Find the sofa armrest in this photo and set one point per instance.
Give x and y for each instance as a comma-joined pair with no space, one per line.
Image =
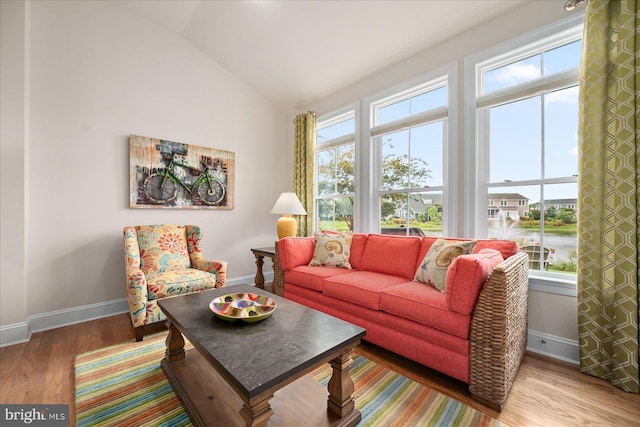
194,246
466,277
498,336
295,251
137,296
136,280
217,267
278,274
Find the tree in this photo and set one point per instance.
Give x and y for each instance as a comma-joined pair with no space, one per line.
387,209
336,175
435,213
567,216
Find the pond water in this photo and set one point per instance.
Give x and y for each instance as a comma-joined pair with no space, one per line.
561,243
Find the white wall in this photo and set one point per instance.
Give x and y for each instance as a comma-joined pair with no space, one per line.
13,178
552,318
97,75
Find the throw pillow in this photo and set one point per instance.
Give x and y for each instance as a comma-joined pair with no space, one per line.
433,270
332,250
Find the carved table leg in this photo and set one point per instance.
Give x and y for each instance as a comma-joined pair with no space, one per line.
341,389
175,345
259,276
257,413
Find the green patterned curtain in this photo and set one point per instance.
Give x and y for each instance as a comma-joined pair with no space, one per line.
609,192
303,170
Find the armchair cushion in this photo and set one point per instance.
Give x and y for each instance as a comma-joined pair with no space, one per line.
179,282
163,248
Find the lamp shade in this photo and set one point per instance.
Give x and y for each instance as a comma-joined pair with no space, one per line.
288,203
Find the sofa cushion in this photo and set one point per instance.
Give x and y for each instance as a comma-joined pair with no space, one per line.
360,287
393,255
372,320
312,277
434,267
295,251
425,305
506,247
466,277
332,249
357,249
162,248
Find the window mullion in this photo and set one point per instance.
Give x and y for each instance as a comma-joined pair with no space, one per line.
530,89
427,117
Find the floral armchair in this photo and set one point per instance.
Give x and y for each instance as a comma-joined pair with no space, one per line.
164,261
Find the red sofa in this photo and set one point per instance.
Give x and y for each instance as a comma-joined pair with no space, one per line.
474,332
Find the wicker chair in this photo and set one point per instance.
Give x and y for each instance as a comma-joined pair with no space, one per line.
164,261
534,251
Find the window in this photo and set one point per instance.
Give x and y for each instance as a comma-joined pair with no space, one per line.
409,136
526,116
335,172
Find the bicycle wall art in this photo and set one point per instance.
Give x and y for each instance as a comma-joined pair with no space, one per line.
167,174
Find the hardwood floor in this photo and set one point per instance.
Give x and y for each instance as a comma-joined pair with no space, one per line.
546,392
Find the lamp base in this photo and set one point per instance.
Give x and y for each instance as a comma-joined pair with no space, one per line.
287,226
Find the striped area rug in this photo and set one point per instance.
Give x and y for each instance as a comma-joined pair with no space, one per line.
386,398
123,385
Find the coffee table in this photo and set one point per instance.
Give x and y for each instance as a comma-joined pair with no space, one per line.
252,374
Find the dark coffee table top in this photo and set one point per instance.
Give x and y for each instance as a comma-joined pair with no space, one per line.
255,357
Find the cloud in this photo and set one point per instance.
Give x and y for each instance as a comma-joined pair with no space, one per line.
565,96
517,73
574,151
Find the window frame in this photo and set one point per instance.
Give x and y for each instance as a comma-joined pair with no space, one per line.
443,76
477,105
350,111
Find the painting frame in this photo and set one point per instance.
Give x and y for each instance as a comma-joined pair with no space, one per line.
165,174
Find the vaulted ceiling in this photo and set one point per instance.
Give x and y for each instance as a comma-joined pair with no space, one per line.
296,52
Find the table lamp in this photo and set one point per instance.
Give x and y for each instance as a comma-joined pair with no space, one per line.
288,204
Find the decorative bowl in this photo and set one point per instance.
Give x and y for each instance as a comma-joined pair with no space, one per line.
247,307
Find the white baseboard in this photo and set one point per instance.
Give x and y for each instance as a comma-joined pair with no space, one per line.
553,346
17,333
21,332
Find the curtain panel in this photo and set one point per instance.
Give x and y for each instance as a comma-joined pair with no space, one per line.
303,168
609,192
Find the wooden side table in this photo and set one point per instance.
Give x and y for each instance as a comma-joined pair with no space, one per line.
277,286
260,253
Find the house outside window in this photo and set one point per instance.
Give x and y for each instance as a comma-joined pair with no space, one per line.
335,172
511,206
525,108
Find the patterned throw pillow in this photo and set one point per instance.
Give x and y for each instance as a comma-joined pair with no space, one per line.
433,270
332,249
